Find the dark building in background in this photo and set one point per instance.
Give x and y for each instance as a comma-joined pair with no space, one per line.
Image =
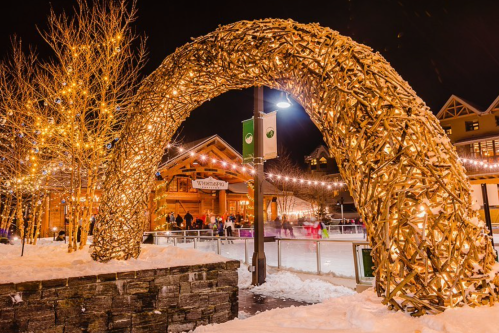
321,164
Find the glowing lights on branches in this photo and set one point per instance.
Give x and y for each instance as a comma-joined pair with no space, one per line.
382,135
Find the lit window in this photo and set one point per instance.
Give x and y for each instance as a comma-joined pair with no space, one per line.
472,125
448,130
487,148
323,163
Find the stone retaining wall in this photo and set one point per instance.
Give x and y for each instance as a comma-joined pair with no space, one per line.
171,299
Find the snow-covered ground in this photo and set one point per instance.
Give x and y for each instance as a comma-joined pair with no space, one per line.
50,260
360,313
342,312
284,284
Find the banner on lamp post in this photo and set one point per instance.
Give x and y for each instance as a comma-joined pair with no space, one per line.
270,135
248,141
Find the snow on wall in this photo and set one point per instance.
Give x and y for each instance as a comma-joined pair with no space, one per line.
50,260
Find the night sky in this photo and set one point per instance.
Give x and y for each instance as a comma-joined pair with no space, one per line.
440,47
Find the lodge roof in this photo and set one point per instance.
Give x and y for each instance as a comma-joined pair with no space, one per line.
457,106
173,154
321,150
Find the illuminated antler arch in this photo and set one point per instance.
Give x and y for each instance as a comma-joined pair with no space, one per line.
429,248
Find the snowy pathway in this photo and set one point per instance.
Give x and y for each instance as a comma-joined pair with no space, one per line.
360,313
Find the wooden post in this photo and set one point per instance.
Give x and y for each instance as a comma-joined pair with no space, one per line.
222,202
45,230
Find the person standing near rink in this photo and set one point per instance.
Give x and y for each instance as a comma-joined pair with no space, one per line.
278,226
229,225
287,226
188,221
324,232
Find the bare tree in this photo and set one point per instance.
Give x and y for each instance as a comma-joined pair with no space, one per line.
87,91
285,174
23,160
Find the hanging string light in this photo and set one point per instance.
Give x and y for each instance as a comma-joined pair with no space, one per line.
330,185
479,163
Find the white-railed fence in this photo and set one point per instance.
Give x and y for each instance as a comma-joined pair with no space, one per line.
310,255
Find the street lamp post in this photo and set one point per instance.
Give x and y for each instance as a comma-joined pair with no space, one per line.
486,211
259,260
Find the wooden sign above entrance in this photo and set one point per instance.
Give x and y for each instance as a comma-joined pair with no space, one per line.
210,183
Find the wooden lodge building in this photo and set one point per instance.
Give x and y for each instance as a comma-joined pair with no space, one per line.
174,192
202,159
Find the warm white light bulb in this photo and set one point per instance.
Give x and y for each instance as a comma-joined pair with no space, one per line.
283,105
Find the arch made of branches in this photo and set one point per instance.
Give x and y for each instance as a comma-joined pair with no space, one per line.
430,249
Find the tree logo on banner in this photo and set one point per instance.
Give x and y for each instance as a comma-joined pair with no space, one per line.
248,138
270,132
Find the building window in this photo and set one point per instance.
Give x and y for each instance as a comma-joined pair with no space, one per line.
487,150
313,164
232,207
183,185
472,126
497,121
475,149
323,163
496,146
447,130
173,186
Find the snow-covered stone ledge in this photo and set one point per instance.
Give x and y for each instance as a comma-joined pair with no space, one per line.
171,298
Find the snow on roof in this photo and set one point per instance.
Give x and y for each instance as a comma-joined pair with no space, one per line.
321,150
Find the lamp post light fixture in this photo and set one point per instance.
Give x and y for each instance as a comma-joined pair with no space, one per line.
54,229
259,261
284,102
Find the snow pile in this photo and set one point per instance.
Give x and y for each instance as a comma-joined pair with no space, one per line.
289,286
360,313
244,281
50,260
